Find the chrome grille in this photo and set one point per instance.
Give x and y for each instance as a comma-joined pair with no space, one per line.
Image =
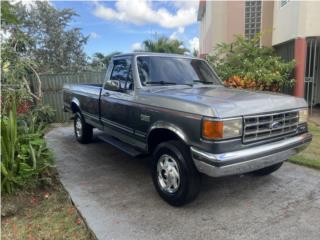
266,126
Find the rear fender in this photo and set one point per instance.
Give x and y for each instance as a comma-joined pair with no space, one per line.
75,105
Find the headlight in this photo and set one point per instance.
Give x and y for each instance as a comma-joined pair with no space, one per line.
221,129
303,115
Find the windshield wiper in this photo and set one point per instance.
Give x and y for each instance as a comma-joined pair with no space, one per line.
201,81
161,82
169,83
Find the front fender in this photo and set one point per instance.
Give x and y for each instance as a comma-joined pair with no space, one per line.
169,126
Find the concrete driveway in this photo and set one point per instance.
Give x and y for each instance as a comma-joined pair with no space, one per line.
115,195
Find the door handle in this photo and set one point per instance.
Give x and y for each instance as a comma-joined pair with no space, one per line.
106,94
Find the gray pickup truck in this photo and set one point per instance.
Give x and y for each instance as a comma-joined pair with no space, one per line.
176,108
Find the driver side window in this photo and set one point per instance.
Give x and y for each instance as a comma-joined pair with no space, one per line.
121,76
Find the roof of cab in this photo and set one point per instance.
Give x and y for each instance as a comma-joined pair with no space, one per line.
153,54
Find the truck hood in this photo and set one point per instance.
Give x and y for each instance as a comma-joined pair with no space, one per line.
219,101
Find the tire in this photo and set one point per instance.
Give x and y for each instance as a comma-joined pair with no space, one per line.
169,159
267,170
82,130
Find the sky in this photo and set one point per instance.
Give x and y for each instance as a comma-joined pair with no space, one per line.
122,25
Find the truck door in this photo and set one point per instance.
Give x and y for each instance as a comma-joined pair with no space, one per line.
116,96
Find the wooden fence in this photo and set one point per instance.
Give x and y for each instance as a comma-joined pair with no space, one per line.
52,85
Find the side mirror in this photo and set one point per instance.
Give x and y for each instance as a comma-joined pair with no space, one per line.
113,85
118,85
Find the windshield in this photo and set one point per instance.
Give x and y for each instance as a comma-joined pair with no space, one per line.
175,70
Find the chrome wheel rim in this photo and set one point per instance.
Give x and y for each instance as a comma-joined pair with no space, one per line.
168,174
78,127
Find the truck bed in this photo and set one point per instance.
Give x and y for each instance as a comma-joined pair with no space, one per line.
86,94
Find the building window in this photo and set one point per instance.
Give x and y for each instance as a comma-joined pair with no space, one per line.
283,2
252,18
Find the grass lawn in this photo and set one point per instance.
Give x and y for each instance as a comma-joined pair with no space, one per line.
41,214
310,156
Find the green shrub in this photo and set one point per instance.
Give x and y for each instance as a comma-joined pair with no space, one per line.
245,60
13,93
26,106
24,154
43,113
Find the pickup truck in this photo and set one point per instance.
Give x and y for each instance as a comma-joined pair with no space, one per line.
176,109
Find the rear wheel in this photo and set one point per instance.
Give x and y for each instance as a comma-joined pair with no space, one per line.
82,130
174,174
267,170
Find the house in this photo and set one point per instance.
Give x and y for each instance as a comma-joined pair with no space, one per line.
291,27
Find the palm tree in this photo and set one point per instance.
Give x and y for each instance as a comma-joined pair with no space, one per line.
164,45
100,60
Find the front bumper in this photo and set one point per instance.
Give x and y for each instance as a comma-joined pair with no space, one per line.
250,159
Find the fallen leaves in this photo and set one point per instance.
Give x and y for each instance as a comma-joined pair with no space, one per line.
70,211
43,214
34,200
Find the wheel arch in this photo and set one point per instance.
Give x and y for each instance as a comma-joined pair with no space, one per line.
163,131
75,105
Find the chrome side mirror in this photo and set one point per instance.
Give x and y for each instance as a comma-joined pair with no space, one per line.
113,85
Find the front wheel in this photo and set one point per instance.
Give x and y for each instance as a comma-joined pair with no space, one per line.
267,170
82,130
174,174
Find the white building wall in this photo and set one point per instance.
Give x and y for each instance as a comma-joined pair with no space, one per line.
295,19
221,21
213,25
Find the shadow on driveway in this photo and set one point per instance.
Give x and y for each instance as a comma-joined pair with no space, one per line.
115,195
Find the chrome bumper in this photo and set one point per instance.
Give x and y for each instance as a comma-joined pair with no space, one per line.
250,159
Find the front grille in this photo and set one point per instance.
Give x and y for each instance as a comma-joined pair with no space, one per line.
266,126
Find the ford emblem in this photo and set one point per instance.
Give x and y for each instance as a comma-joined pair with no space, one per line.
275,125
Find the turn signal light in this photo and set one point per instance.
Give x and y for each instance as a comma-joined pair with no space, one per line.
212,129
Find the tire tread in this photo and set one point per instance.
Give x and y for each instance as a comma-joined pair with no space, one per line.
193,176
87,130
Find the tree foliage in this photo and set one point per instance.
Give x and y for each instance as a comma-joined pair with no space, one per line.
244,64
101,61
7,14
24,154
54,45
16,66
164,45
38,40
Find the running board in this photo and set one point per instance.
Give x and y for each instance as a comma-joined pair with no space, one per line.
128,149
